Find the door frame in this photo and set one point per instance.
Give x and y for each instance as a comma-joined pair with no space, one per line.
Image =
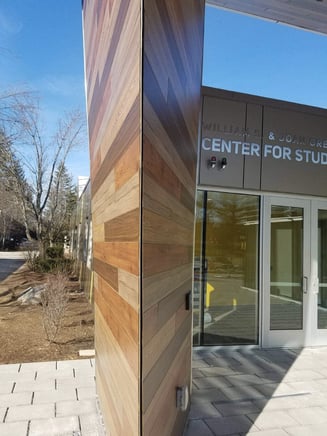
318,336
285,338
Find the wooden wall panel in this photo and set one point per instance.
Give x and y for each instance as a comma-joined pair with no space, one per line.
171,104
112,33
143,98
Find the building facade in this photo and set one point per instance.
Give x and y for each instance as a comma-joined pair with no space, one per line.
143,63
260,244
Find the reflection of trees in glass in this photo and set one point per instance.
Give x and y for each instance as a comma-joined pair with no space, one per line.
228,215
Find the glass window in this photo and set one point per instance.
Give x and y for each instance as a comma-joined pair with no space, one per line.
229,257
286,268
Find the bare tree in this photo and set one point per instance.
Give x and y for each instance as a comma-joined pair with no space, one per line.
33,161
11,103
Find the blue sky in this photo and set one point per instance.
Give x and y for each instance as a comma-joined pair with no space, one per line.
41,48
254,56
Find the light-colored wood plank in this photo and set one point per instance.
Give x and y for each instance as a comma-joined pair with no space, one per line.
162,412
122,321
157,287
128,164
122,201
157,344
157,373
129,288
119,383
123,255
161,312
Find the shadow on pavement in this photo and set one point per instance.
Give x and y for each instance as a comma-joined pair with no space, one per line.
238,392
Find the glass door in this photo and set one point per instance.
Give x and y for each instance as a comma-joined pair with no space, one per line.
286,272
226,269
319,272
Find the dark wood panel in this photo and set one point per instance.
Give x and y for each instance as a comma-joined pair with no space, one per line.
170,116
107,272
164,257
172,74
159,201
158,229
123,228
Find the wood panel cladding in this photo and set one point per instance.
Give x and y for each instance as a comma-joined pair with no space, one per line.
171,106
112,30
143,72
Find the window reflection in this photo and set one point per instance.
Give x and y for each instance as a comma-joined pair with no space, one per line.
229,268
286,264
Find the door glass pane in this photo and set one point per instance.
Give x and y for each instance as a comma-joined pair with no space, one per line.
286,268
322,269
230,314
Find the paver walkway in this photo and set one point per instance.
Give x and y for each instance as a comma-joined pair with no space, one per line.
49,398
277,392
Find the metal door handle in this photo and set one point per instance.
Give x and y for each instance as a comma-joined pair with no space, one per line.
305,284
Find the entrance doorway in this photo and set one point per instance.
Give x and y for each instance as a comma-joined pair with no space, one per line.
294,272
260,271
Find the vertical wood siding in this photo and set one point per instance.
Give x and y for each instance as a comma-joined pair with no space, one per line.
171,104
113,58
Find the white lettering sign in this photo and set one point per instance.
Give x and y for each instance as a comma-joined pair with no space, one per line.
269,150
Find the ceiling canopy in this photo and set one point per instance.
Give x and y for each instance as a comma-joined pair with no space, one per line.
305,14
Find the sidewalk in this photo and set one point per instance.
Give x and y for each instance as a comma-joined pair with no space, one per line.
49,398
275,392
238,392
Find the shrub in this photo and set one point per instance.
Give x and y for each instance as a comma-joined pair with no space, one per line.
32,257
55,252
54,301
54,261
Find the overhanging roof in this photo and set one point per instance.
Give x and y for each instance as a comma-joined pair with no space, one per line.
305,14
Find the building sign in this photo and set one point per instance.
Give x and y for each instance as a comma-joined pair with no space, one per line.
262,144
